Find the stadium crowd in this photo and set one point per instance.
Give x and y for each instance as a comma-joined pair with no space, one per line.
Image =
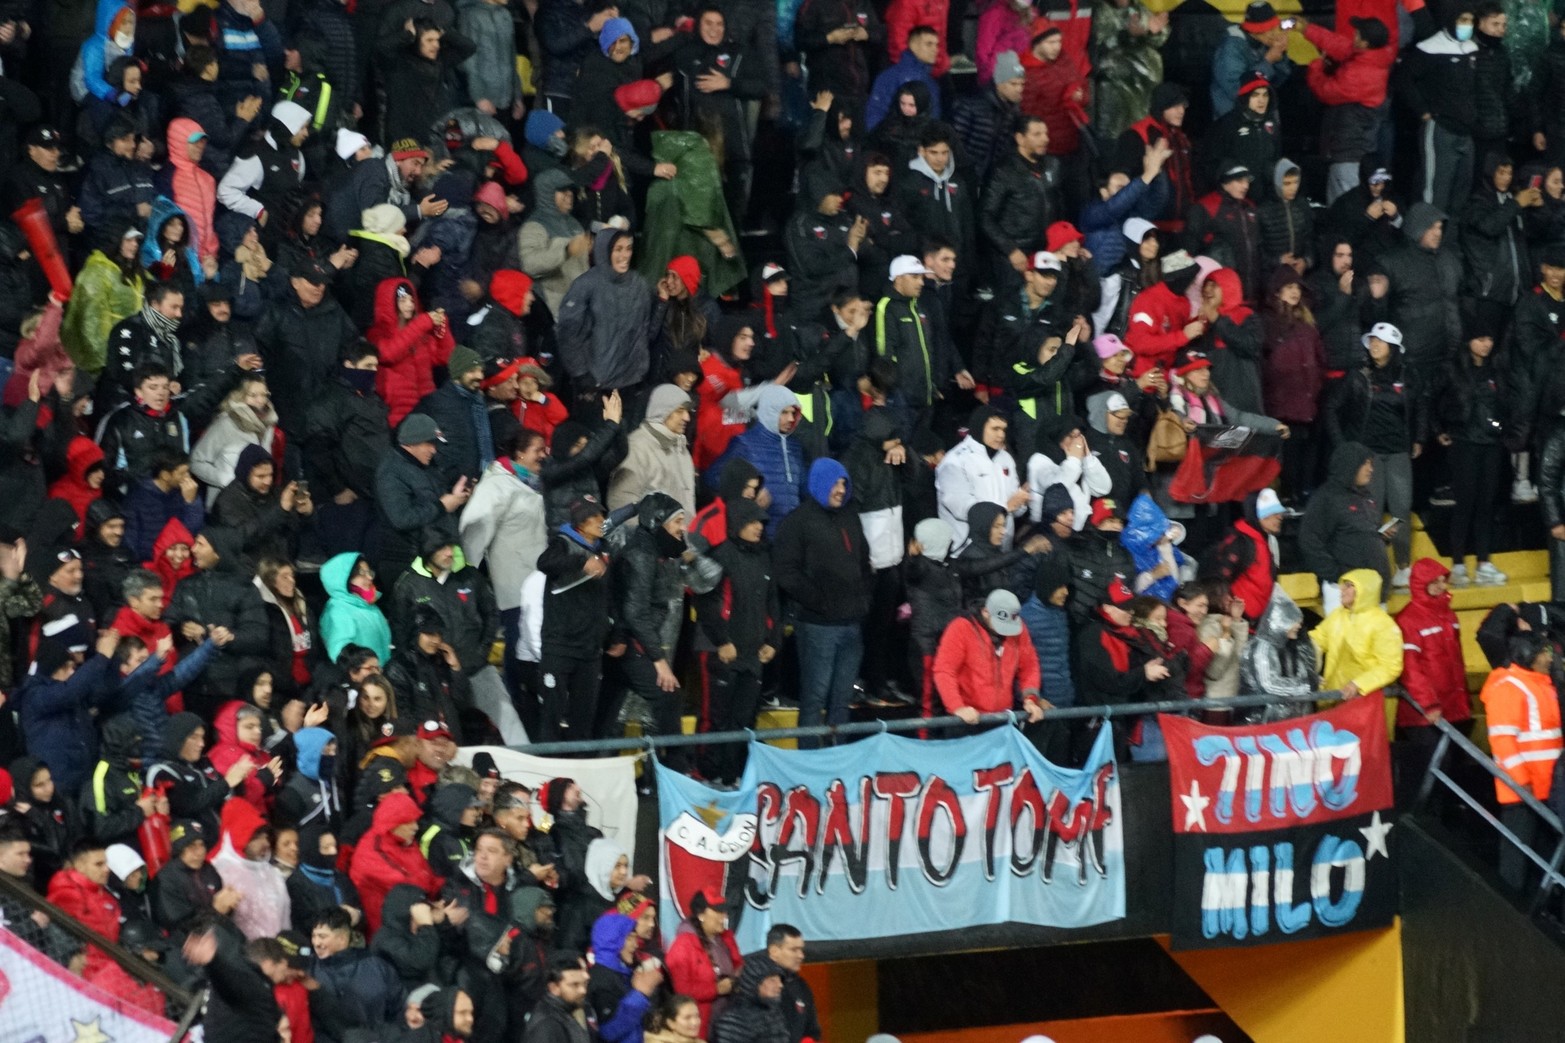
385,377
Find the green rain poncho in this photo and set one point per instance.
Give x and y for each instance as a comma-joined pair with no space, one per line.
681,211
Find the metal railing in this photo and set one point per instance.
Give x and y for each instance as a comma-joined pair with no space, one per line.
1450,736
187,1002
650,743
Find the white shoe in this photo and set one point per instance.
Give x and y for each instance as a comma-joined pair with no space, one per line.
1400,578
1459,576
1489,576
1522,491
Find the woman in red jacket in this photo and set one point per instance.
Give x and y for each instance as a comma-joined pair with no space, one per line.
727,397
387,856
240,729
1433,670
411,344
704,961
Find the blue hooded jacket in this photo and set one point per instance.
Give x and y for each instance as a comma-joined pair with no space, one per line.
778,457
165,210
97,53
612,30
308,744
823,476
608,938
1144,526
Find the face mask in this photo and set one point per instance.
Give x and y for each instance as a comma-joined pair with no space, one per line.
1464,33
124,40
360,380
558,147
316,860
328,767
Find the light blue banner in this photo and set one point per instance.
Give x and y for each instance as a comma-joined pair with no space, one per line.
892,836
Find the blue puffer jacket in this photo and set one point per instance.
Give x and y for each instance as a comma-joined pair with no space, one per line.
778,457
97,53
1049,628
1144,526
144,693
1102,224
348,618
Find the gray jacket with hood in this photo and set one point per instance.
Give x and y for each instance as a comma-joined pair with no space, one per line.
605,322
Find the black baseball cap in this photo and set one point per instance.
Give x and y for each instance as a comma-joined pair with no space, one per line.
45,136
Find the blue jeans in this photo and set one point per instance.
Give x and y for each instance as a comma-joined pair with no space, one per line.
829,658
1151,748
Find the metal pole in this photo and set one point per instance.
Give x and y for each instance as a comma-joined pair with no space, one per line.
192,1011
1064,713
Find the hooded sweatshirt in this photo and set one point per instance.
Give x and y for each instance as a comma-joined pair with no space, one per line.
1341,523
408,353
604,324
778,457
821,558
229,750
194,190
1275,664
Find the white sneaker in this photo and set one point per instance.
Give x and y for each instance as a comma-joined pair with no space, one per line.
1459,576
1400,578
1489,576
1522,491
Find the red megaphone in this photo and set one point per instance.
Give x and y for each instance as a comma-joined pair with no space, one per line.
33,220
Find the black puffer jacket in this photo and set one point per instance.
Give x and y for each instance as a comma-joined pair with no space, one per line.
648,579
109,798
1021,200
1494,96
743,608
1095,558
1424,291
416,957
1341,525
1477,403
567,477
408,495
1494,243
751,1018
195,791
427,688
224,596
346,437
301,347
984,566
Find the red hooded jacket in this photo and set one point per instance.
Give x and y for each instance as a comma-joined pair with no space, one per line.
381,861
81,456
174,533
229,751
1056,92
1357,77
408,354
719,379
1433,670
1158,317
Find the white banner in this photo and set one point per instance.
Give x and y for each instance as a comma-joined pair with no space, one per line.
608,785
42,1002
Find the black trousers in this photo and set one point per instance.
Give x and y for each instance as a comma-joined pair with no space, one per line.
730,701
1476,473
667,707
569,686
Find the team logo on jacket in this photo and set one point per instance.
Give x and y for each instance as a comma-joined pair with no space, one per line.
820,231
1124,457
462,594
862,17
722,60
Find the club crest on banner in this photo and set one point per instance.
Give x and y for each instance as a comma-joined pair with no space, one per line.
894,836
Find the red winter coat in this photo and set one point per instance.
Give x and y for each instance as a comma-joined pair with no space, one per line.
719,379
968,673
1294,369
173,534
1182,635
81,456
42,352
193,189
94,906
381,861
1433,670
542,417
408,354
1158,317
1057,92
690,969
903,16
1357,77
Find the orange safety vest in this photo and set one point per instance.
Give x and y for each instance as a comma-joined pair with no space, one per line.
1524,729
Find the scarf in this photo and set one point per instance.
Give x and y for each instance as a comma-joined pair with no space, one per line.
162,327
521,473
481,428
321,878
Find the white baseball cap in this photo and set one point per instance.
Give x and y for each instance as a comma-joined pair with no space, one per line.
907,264
1136,229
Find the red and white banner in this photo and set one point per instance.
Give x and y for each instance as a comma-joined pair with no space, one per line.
42,1002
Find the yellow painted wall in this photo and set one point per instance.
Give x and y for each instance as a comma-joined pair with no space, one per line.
1304,992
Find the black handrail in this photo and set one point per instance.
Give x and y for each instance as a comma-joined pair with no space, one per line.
132,963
